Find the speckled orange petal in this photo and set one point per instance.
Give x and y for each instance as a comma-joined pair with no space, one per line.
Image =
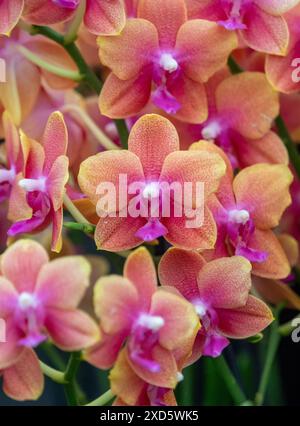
103,355
276,266
140,270
181,268
254,106
107,167
246,321
152,138
276,292
277,7
166,377
203,48
181,322
24,380
226,282
263,190
166,15
124,382
265,32
122,99
115,301
55,139
10,12
105,16
268,149
128,53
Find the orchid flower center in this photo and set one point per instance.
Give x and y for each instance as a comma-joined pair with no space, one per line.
68,4
168,63
32,185
151,191
239,216
211,130
27,301
151,322
200,308
234,10
7,175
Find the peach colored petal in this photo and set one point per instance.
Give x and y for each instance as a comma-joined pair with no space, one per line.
104,354
128,53
203,48
22,262
105,16
254,106
8,297
181,322
63,282
55,139
263,190
276,292
115,301
139,269
18,209
39,12
71,330
152,138
277,7
56,181
279,70
166,15
24,380
10,12
122,99
246,321
181,268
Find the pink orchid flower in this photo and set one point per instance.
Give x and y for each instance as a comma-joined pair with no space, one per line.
10,12
219,290
283,73
162,49
259,23
14,161
100,17
247,208
131,390
14,94
152,160
23,380
153,323
39,200
39,299
240,124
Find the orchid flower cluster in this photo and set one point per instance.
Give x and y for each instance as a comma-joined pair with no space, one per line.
164,92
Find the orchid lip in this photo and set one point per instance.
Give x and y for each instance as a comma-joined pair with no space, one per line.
7,175
151,322
201,308
239,216
151,190
168,63
31,185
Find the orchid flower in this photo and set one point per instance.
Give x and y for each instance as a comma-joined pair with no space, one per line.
219,291
161,48
20,71
247,208
258,23
39,200
280,71
153,159
240,124
152,322
39,299
131,390
100,16
10,12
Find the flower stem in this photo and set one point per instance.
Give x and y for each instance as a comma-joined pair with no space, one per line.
102,400
71,34
55,375
287,328
73,210
123,132
70,378
273,345
89,229
232,385
290,145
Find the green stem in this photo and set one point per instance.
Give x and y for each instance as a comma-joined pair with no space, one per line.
273,345
88,229
290,145
234,67
85,71
123,132
73,210
102,400
232,385
53,355
55,375
287,328
71,34
70,378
